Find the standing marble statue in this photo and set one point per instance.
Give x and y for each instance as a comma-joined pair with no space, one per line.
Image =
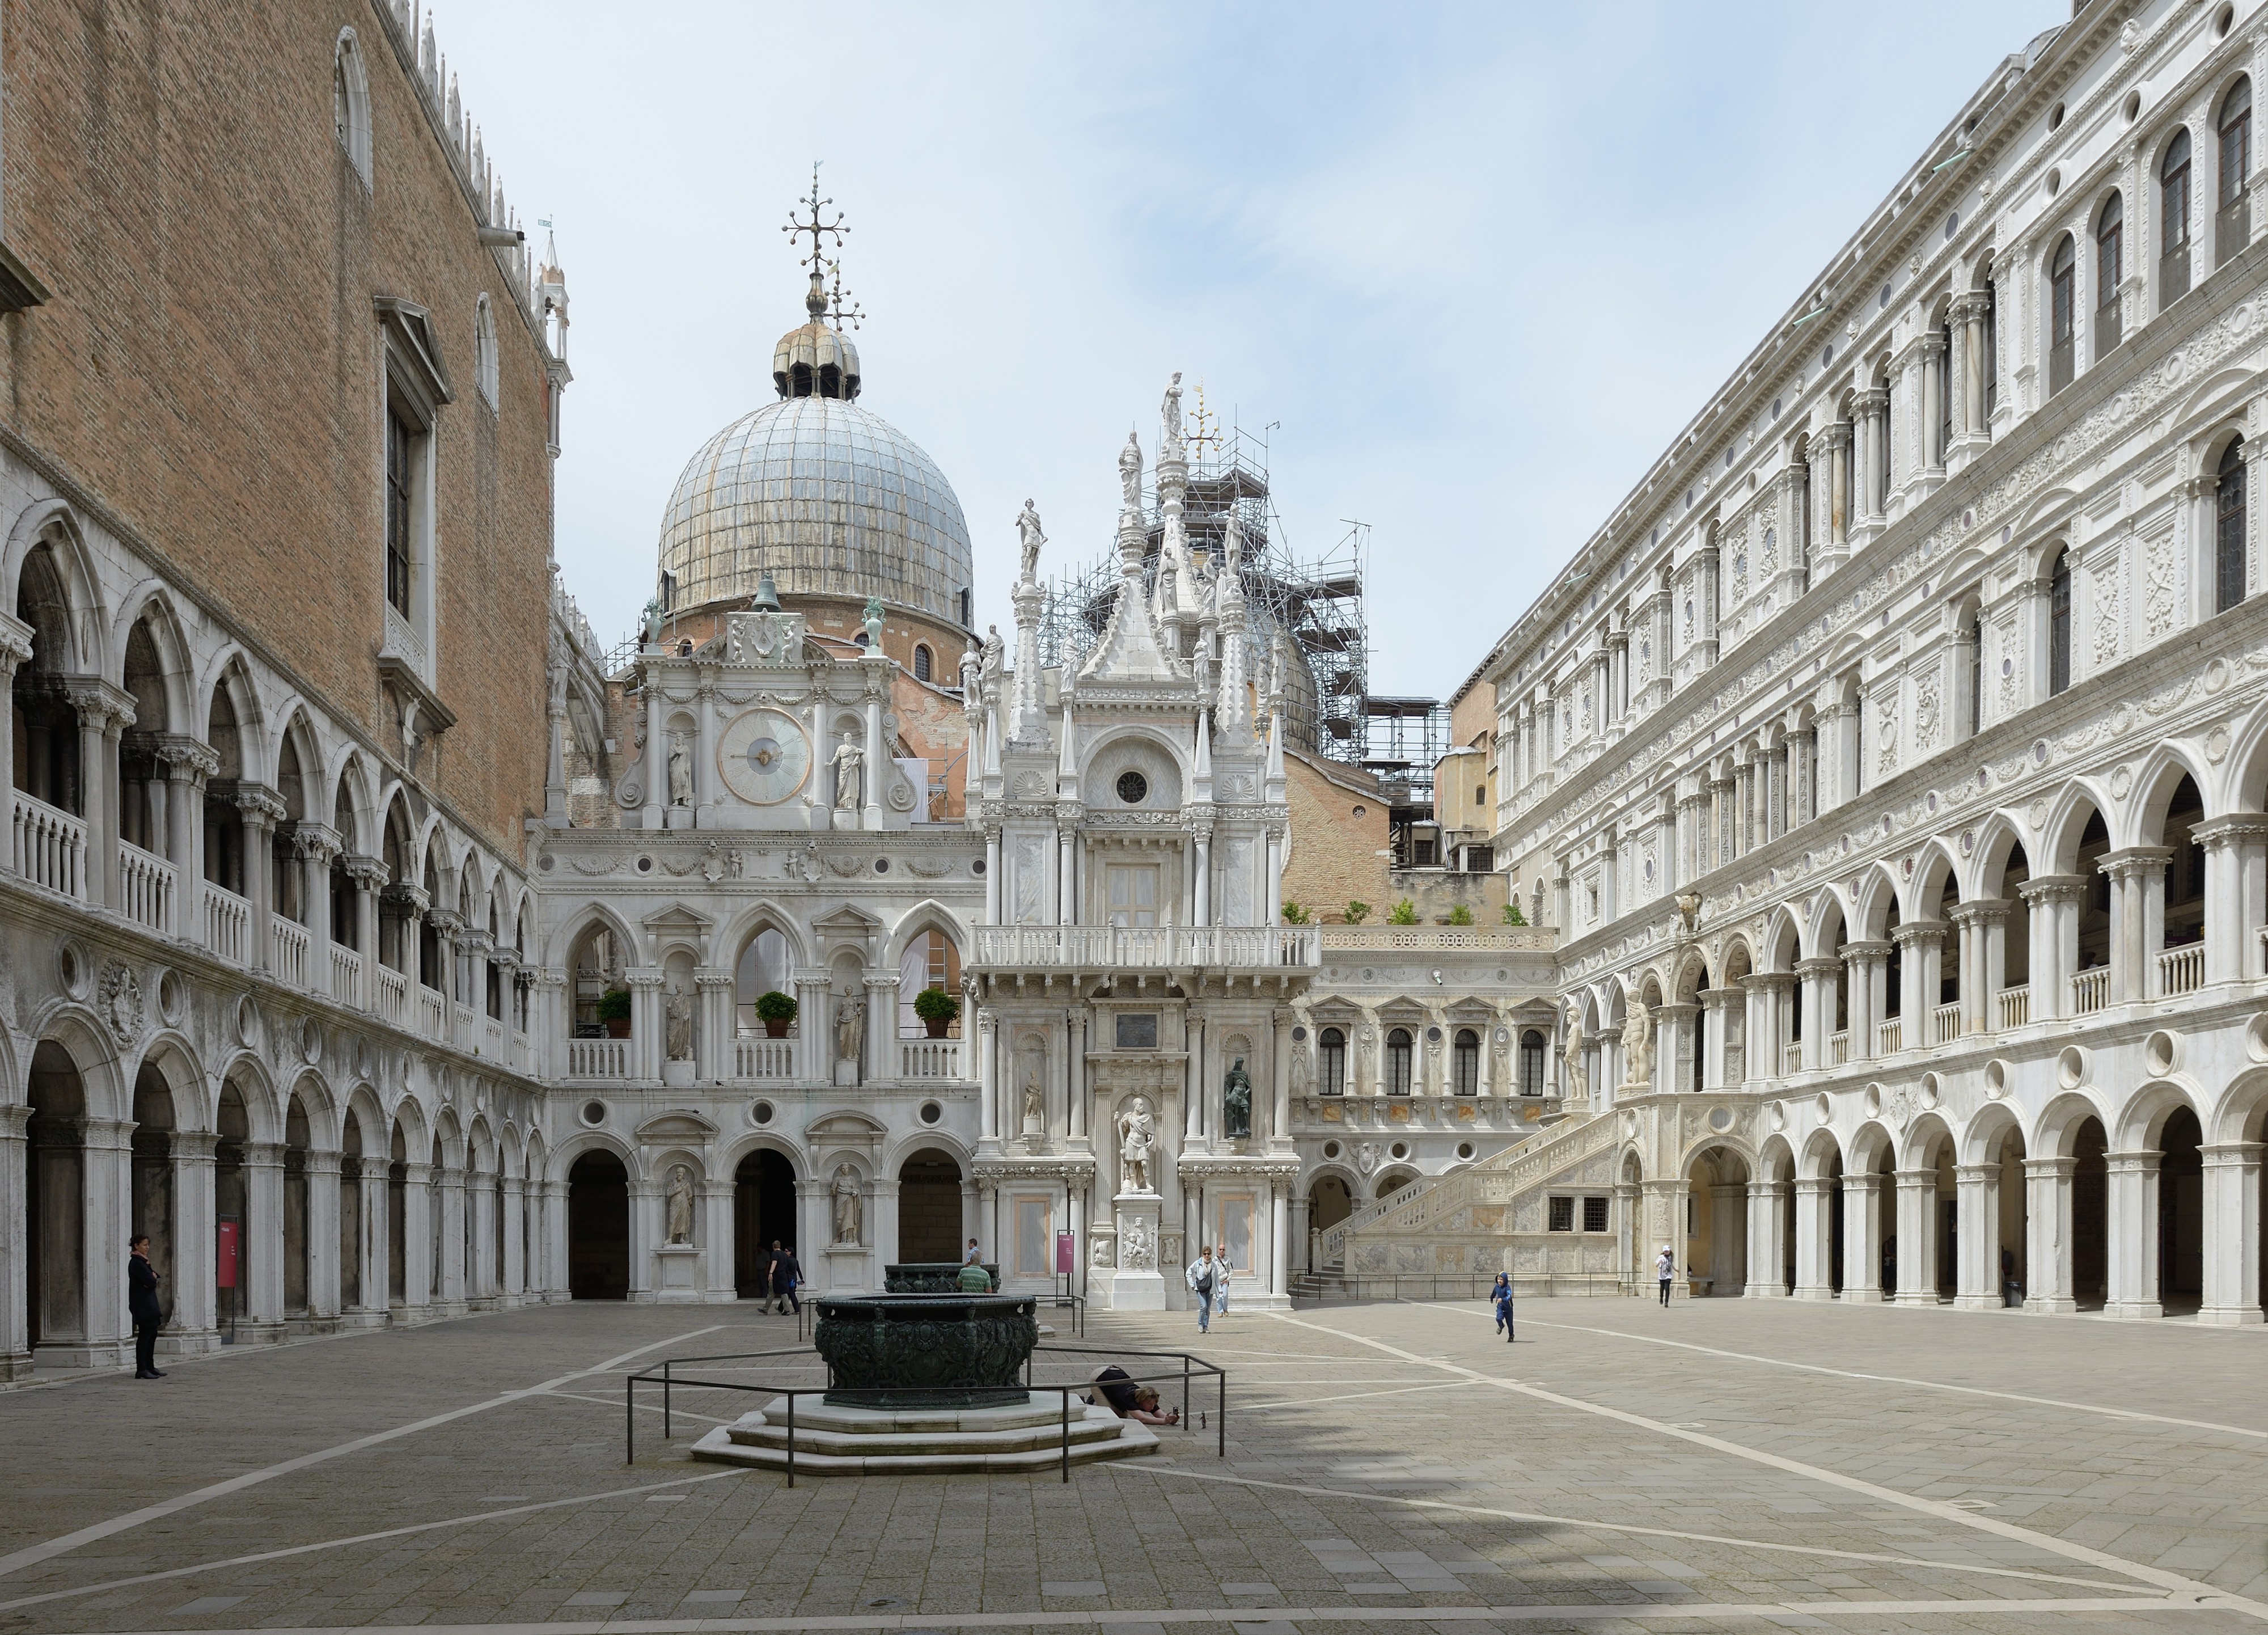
849,1027
1034,1106
1170,410
1029,539
848,759
1129,471
996,659
1637,1047
681,771
677,1034
1578,1088
1236,1102
1138,1141
844,1196
679,1200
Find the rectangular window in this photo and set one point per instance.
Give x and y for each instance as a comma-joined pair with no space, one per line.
1035,1237
401,439
1132,891
1563,1215
1332,1069
1480,859
1136,1030
1594,1214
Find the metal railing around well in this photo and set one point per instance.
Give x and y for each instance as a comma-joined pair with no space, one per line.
1190,1370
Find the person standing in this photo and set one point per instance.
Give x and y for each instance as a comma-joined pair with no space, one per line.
1221,1283
1665,1268
1204,1277
975,1280
787,1276
974,1255
142,1306
1503,1298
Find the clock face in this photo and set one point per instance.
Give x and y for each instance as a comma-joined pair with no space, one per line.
763,757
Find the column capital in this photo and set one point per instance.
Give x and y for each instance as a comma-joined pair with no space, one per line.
1859,952
2234,827
2052,889
2062,1169
2142,1163
264,1155
1914,1180
1969,1175
2233,1155
2136,862
1982,911
192,1144
1826,965
1927,932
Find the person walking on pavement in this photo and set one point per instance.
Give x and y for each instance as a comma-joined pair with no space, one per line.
1503,1298
1204,1277
1665,1268
142,1306
787,1276
1497,1294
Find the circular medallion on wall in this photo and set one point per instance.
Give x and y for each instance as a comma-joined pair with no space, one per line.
760,1113
930,1112
1400,1149
1132,787
594,1114
1465,1150
764,756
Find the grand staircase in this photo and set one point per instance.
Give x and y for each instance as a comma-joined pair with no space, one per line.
1460,1225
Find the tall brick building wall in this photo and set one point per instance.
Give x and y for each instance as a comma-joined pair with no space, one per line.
208,368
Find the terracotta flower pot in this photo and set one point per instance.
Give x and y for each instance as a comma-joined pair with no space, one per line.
618,1028
937,1025
774,1030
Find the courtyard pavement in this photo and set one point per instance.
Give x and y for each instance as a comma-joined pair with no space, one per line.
1723,1465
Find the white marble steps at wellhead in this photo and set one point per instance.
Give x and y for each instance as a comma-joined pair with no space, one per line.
832,1440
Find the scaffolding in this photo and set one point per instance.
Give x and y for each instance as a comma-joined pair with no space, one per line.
1403,739
1305,621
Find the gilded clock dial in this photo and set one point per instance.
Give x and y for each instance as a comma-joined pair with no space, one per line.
764,756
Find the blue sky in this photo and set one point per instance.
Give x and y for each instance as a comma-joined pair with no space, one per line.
1479,264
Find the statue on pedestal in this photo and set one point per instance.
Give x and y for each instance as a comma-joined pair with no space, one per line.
1029,539
1637,1047
1138,1141
1577,1088
681,771
848,759
1034,1105
677,1032
850,1027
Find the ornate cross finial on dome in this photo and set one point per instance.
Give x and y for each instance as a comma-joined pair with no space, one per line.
817,226
1204,426
838,312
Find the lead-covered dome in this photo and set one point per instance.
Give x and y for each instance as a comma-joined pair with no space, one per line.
824,495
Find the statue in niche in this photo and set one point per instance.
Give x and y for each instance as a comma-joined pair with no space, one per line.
1138,1142
848,759
1572,1049
1638,1047
681,771
850,1027
679,1200
1236,1102
1028,539
1034,1106
843,1194
677,1018
1129,471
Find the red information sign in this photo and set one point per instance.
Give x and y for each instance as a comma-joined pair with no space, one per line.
228,1254
1066,1257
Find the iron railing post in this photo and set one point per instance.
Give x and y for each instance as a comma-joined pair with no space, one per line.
790,1439
1066,1433
667,1426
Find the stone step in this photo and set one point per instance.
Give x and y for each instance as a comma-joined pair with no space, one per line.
978,1430
944,1455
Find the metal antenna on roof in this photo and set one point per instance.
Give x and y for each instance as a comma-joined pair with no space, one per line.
816,226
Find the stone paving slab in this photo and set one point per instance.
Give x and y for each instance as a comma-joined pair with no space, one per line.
1376,1488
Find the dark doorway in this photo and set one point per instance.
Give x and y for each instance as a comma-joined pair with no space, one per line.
763,1212
2181,1214
55,1200
598,1228
929,1208
2090,1201
295,1210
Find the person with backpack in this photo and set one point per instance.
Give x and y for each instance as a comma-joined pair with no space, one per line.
1665,1268
1500,1301
1204,1276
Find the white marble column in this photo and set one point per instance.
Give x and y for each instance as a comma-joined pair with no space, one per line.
1862,1238
1976,1243
1814,1238
2048,1257
2232,1233
2131,1235
261,1267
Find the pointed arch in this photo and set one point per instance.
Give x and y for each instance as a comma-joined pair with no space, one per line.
1925,887
49,530
2077,802
155,662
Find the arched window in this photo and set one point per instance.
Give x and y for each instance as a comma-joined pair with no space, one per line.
1977,672
1991,349
1531,1062
2174,221
351,103
1331,1046
484,351
2109,263
2059,623
1397,1061
2232,223
2062,311
921,663
1465,1063
2228,528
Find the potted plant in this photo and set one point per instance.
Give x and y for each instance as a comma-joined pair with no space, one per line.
938,1009
1357,912
1461,915
1405,913
775,1010
1294,914
614,1012
1512,916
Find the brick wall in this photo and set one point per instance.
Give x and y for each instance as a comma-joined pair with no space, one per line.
1338,828
208,366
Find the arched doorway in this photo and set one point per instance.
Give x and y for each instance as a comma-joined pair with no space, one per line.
763,1213
1390,1184
55,1201
295,1210
350,1256
598,1228
397,1221
929,1208
1716,1223
2181,1214
1329,1202
2090,1212
232,1201
152,1183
